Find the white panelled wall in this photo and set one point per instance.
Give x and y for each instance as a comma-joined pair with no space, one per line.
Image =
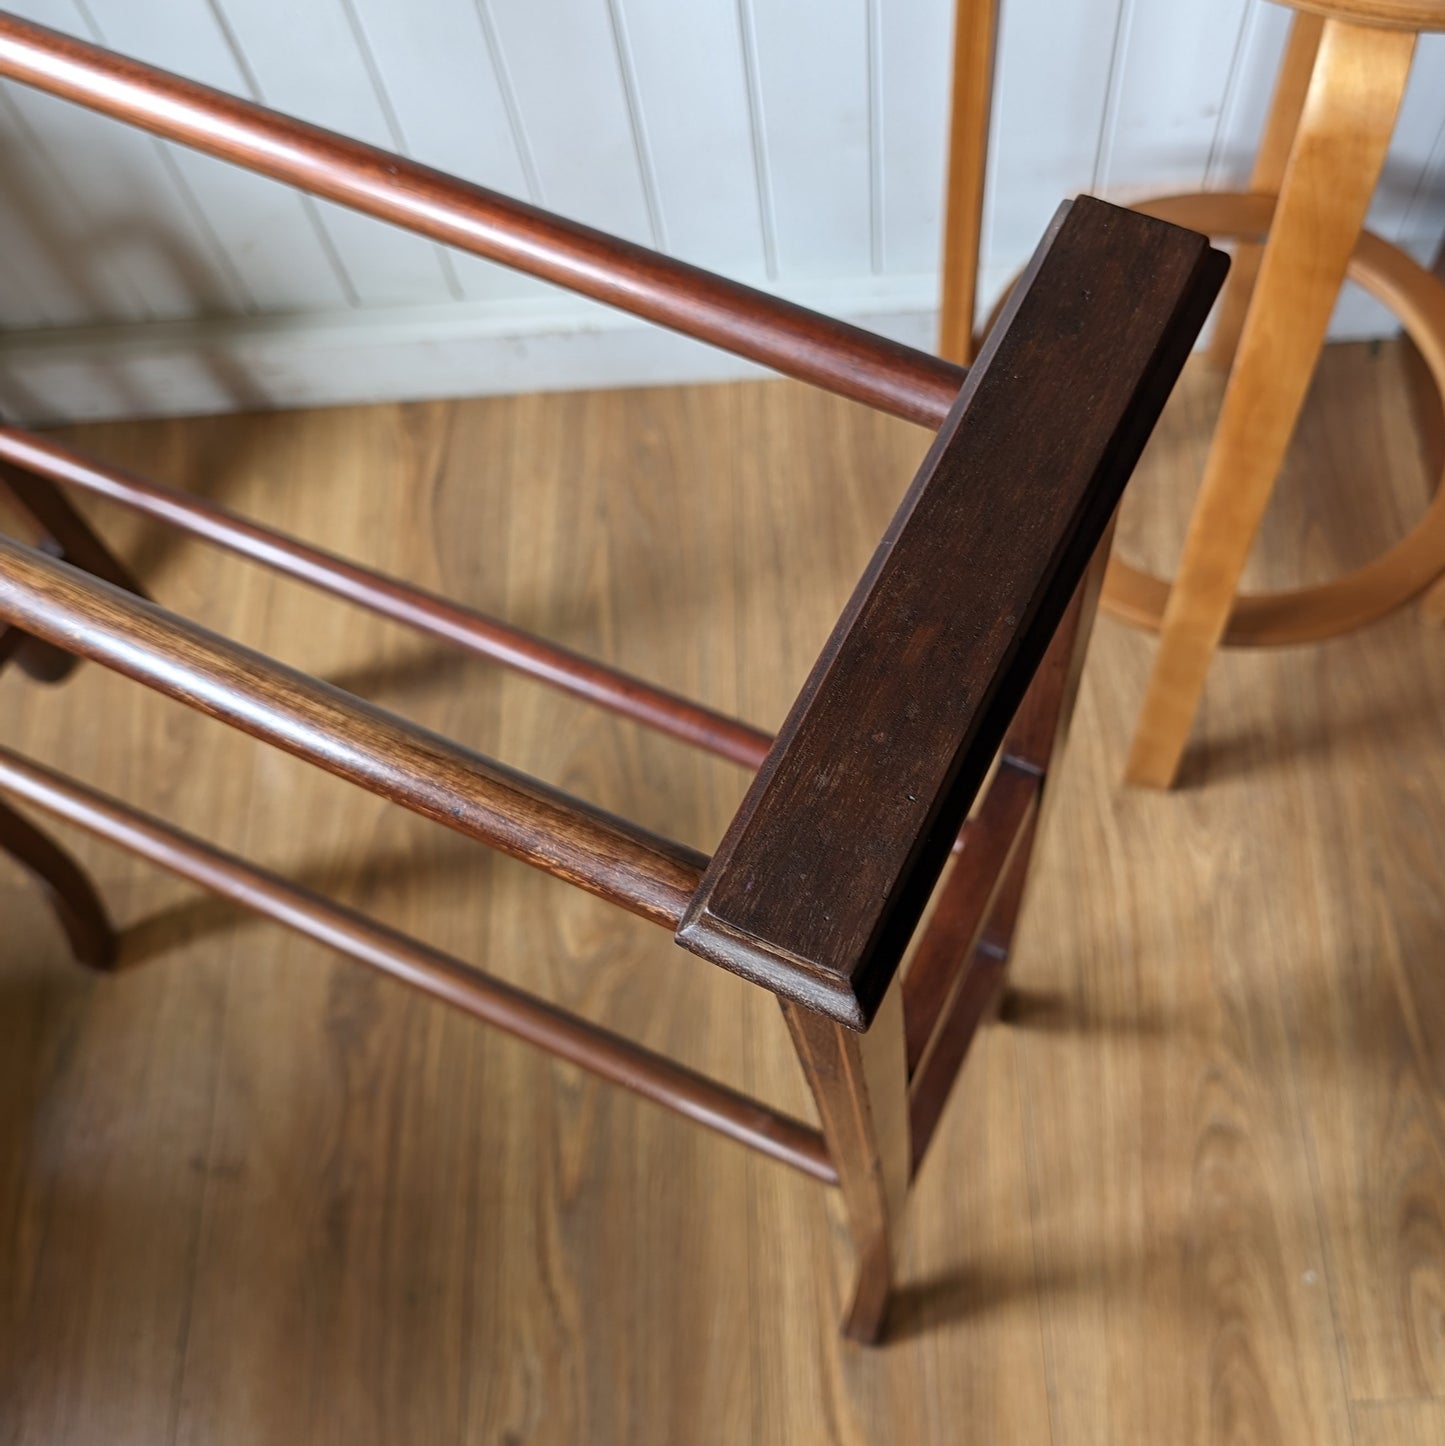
796,144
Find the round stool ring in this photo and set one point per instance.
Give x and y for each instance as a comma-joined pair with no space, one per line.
1309,614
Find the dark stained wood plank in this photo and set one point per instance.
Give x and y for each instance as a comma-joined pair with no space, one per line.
825,870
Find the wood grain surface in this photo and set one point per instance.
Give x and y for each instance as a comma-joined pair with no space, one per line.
1195,1193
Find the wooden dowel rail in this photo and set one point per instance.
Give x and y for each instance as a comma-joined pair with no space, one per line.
788,338
607,1055
617,860
440,617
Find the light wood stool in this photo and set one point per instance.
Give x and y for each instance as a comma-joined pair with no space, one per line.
1300,228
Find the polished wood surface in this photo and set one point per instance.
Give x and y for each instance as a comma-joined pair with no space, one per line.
860,1086
421,770
1349,113
975,41
821,878
779,334
1193,1188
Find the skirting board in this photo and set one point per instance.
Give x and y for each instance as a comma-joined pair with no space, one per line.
187,368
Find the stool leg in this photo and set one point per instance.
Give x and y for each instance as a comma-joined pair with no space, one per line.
975,30
860,1083
1354,96
1267,178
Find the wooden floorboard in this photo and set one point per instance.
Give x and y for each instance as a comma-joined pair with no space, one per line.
1195,1193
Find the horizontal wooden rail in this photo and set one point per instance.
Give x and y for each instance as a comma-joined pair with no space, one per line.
592,1048
427,612
410,765
800,343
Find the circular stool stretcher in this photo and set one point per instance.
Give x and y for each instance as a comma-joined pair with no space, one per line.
1309,614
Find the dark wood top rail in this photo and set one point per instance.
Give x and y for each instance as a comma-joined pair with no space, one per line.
598,1050
827,866
410,765
427,612
789,338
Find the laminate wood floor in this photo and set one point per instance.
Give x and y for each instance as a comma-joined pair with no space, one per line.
1194,1193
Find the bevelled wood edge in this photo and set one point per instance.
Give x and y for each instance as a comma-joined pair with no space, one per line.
850,995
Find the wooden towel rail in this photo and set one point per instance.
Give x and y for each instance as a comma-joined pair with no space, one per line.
355,740
779,334
955,661
394,598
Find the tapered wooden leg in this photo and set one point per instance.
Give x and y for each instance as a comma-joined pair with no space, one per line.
1349,112
860,1084
77,905
974,40
1290,89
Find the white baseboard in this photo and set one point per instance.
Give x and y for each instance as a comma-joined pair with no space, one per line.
392,354
414,353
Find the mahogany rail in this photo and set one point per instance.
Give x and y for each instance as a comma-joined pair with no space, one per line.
424,772
789,338
598,1050
429,613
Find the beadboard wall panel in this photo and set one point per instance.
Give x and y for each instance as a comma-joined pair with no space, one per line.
796,144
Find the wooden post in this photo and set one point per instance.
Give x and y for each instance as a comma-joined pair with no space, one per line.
975,32
860,1084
